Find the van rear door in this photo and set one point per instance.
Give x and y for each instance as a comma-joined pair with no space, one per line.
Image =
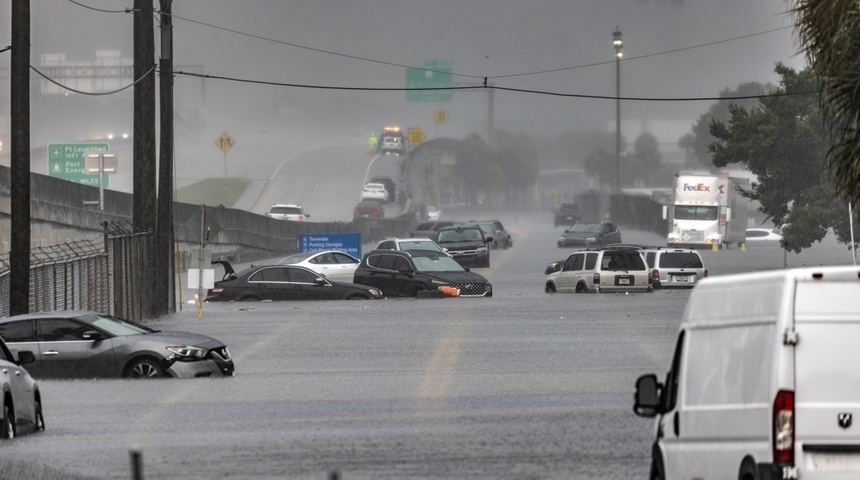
827,377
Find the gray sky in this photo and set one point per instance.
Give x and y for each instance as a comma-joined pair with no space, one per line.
672,49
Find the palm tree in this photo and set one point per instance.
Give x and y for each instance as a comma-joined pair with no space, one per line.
829,34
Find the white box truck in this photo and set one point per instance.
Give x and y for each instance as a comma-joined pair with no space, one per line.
708,210
764,382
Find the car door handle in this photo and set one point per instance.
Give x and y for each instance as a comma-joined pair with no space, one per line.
51,353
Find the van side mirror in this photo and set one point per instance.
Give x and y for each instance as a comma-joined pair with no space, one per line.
647,396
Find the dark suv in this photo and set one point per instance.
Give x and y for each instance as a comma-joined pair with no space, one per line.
431,229
467,244
567,214
415,273
590,234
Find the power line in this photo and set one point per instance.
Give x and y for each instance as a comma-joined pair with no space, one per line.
65,87
639,57
487,86
536,72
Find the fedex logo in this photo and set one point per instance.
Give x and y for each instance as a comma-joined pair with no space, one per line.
699,187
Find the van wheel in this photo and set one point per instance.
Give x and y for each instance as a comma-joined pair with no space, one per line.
550,288
580,288
658,471
748,470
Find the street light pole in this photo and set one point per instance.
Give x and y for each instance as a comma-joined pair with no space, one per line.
616,41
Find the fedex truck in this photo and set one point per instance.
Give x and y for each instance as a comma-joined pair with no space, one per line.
708,211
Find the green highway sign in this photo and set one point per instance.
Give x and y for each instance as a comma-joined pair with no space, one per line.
66,161
435,75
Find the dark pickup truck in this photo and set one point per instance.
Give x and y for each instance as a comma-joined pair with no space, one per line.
567,214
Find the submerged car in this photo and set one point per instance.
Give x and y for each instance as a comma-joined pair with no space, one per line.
20,399
85,344
601,270
590,234
495,230
467,244
763,236
418,243
283,282
334,264
674,267
417,273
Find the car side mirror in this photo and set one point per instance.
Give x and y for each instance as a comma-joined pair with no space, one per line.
92,335
319,281
25,357
647,397
488,239
405,270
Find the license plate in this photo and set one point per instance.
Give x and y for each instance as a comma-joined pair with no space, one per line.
682,278
624,281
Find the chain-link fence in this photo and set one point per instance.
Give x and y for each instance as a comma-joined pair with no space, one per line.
106,275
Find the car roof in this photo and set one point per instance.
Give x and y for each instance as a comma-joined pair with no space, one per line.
51,314
462,225
407,239
671,249
286,205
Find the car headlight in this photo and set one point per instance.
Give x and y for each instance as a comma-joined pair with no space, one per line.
375,293
187,352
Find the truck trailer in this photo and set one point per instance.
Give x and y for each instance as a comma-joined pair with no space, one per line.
708,211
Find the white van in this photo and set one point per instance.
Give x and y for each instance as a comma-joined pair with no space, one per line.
764,382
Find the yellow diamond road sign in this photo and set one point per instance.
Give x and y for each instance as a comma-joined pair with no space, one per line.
225,142
416,136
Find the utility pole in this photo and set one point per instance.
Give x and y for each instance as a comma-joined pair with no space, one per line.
144,212
19,257
164,229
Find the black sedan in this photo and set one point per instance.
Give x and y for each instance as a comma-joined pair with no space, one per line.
21,401
283,282
419,273
84,344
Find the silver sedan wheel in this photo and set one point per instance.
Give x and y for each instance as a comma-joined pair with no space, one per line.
145,368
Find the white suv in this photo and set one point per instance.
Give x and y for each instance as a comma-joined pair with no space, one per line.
674,267
282,211
601,270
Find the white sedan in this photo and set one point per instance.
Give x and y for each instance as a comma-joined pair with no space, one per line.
374,191
334,264
763,235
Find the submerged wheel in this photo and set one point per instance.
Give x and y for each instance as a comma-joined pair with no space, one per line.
7,427
144,368
40,417
550,288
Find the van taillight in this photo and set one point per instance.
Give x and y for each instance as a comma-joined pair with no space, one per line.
596,278
706,273
783,427
301,218
655,275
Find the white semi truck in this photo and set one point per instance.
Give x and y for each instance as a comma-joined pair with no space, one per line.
708,211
